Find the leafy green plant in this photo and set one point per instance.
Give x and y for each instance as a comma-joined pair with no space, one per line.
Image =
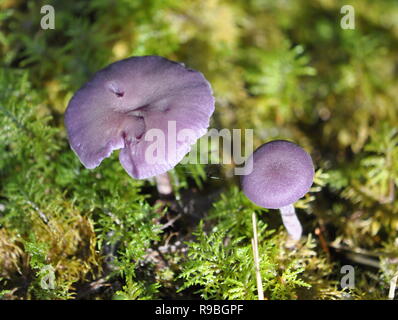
223,268
285,69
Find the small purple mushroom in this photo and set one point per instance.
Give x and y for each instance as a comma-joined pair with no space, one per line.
122,102
282,172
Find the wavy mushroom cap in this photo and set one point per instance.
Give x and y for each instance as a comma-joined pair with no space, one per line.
122,102
282,173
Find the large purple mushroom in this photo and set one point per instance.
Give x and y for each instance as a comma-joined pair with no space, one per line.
124,101
282,172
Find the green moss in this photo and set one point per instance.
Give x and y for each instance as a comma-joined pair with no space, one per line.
287,70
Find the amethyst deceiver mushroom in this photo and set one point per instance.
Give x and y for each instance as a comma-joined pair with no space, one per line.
282,172
122,102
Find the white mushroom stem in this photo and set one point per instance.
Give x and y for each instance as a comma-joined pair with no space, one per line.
291,222
163,184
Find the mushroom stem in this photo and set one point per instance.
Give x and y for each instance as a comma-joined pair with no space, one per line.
291,222
163,184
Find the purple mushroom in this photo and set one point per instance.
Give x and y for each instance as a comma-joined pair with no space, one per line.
124,101
282,172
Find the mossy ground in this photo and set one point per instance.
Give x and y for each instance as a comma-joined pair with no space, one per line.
283,68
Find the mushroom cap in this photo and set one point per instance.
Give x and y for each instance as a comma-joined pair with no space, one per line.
122,102
282,173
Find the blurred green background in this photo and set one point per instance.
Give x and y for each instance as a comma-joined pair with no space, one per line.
283,68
